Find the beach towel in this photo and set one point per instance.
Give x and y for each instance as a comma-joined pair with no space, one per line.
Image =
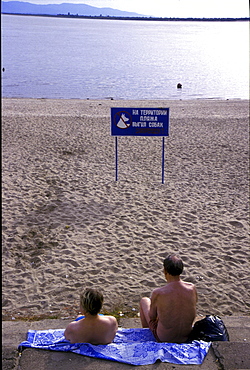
130,346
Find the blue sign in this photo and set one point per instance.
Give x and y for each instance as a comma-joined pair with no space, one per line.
140,121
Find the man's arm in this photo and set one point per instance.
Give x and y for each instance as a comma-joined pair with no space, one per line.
153,307
196,294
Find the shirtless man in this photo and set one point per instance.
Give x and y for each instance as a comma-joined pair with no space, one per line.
172,309
92,327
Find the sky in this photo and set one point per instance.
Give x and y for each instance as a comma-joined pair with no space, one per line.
168,8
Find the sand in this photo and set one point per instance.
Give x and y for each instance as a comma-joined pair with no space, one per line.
67,224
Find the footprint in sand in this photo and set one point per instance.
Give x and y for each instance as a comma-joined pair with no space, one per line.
235,223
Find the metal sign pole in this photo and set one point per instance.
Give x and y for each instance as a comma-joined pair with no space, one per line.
163,159
139,122
116,158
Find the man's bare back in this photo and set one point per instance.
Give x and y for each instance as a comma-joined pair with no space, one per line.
172,308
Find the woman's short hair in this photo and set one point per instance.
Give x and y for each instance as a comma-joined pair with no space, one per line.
173,265
91,301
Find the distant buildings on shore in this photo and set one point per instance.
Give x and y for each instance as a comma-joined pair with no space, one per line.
69,15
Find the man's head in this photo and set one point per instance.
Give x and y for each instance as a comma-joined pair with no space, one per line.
91,301
173,265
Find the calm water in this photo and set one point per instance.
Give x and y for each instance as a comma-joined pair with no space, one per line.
83,58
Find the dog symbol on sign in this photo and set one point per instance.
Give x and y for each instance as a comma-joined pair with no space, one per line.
124,122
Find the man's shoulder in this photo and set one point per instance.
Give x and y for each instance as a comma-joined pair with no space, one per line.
160,290
188,284
168,288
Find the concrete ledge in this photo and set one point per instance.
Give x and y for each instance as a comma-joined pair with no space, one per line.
9,358
233,355
69,361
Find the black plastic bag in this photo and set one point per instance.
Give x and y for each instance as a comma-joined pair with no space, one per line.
209,329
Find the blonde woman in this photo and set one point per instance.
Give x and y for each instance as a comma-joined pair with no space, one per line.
92,327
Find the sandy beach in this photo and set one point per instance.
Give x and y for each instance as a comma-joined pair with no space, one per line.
67,224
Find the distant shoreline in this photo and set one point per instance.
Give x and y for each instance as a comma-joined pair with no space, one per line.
172,19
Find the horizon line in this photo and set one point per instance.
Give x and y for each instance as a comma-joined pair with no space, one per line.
121,17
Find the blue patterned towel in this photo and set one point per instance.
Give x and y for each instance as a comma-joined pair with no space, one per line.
130,346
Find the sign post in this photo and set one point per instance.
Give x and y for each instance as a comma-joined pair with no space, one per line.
162,162
139,122
116,158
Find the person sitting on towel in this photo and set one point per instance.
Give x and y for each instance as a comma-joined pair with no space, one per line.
92,327
172,308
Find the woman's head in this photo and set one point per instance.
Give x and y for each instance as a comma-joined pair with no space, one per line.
91,301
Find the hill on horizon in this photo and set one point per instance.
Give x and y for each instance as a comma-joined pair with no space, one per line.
19,7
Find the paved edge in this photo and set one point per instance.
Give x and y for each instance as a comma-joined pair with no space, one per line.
222,355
